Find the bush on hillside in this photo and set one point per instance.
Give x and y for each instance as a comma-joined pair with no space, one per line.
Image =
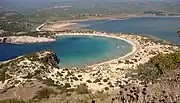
44,93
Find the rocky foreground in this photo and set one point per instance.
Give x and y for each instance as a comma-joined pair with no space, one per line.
22,70
32,78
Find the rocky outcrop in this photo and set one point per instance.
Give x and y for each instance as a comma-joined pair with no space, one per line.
36,66
178,33
25,39
48,58
5,40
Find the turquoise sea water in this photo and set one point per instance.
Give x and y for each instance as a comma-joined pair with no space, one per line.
161,27
73,51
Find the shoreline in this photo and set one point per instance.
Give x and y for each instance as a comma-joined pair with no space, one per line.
25,40
111,18
134,45
113,69
68,24
121,36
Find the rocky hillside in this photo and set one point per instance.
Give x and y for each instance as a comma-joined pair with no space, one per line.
28,67
33,75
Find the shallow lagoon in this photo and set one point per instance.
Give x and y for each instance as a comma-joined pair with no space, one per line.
73,51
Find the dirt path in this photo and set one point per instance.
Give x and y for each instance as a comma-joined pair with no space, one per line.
15,93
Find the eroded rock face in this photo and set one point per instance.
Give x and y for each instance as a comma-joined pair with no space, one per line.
30,66
5,40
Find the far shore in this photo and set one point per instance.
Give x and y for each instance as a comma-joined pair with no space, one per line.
112,18
67,24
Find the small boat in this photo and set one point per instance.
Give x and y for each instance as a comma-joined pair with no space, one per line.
118,46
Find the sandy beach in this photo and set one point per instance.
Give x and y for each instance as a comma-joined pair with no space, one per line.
58,26
116,69
67,24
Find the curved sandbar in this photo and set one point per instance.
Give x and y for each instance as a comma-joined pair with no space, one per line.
135,45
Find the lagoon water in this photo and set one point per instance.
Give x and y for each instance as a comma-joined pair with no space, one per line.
160,27
73,51
82,50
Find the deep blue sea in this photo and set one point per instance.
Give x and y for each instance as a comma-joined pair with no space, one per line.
160,27
73,51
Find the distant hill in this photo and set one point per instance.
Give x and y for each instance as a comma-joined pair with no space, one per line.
33,5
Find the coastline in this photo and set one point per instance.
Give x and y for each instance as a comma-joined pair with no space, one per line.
111,18
114,69
135,45
139,16
25,39
68,24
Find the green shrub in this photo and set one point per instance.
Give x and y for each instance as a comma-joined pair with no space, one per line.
105,80
44,93
82,89
79,76
75,78
97,80
2,75
106,88
29,76
157,66
89,81
12,101
67,85
49,82
59,74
